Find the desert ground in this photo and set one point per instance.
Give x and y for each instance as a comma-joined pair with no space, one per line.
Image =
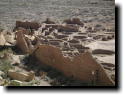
57,43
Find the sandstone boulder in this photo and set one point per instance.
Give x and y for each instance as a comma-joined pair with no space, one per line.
86,66
83,67
21,76
21,42
24,42
10,38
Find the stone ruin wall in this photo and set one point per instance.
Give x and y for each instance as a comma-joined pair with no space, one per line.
82,67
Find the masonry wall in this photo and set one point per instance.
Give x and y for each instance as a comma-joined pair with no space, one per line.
83,67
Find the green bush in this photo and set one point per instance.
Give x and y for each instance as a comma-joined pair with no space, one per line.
5,65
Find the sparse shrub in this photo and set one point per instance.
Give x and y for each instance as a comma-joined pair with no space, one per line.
15,83
5,65
3,51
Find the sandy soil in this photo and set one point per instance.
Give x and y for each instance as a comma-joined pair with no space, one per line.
86,10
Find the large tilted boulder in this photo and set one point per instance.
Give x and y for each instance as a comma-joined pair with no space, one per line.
2,39
83,67
48,55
